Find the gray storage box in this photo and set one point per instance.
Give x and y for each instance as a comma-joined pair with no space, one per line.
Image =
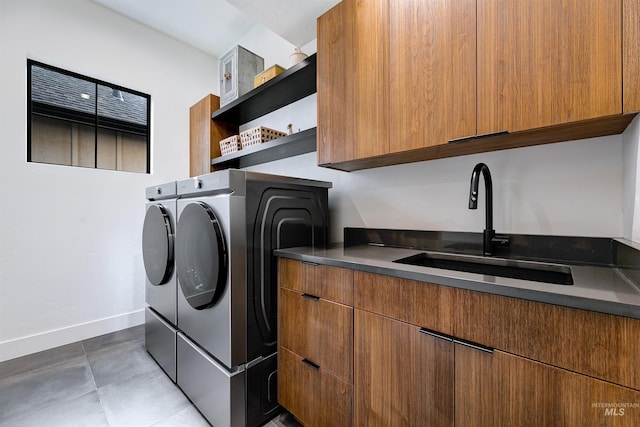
238,67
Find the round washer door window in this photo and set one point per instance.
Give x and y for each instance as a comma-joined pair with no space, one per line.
201,256
157,245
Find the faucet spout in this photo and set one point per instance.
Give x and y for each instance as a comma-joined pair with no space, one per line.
489,235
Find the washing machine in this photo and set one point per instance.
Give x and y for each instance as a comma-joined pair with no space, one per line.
229,223
158,254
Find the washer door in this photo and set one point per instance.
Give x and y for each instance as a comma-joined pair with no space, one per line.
201,256
157,245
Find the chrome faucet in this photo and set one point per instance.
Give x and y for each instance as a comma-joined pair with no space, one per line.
489,239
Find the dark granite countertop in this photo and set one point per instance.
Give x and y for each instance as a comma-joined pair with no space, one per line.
606,286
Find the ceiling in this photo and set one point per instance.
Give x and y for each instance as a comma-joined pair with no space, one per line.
214,26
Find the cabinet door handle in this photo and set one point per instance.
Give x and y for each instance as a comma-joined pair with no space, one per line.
310,364
311,297
436,334
473,345
455,340
474,137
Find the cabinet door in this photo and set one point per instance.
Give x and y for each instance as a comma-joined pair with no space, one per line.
500,389
631,58
368,72
548,333
547,62
353,81
229,77
402,377
432,72
205,135
335,121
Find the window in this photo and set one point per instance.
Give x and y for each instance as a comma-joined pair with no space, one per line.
76,120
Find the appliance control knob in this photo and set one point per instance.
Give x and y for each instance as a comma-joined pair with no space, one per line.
158,190
196,183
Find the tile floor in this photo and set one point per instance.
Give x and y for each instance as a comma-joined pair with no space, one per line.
106,381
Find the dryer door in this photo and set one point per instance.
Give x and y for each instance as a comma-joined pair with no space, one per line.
157,245
201,256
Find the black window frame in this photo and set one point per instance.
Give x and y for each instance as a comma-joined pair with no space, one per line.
95,120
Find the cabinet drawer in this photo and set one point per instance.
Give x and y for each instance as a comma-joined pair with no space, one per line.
314,396
423,304
319,330
332,283
595,344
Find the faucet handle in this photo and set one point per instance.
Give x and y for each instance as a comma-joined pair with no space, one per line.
501,240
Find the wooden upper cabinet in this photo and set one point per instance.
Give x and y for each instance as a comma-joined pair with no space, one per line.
334,120
432,72
631,55
368,72
547,62
353,95
398,79
204,135
394,75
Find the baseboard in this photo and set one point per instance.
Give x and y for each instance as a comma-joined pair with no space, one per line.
44,341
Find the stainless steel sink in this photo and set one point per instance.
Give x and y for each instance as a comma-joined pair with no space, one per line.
516,269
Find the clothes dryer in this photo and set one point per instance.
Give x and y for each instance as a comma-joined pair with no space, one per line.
229,223
158,242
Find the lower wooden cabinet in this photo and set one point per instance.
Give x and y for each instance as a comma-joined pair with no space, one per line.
312,395
315,360
402,377
417,354
500,389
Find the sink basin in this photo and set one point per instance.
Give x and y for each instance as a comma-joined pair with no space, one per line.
527,270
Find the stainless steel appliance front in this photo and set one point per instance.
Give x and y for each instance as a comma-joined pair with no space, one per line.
229,223
158,242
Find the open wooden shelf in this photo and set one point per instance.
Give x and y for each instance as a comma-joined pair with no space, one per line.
293,84
290,86
287,146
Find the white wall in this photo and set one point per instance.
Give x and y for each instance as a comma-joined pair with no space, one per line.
571,188
70,251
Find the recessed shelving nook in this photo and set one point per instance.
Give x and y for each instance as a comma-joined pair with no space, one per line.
296,83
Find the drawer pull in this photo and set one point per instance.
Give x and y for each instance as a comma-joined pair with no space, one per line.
473,345
455,340
311,297
436,334
476,137
311,364
309,263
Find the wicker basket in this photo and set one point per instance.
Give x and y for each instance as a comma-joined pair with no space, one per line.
230,145
258,135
